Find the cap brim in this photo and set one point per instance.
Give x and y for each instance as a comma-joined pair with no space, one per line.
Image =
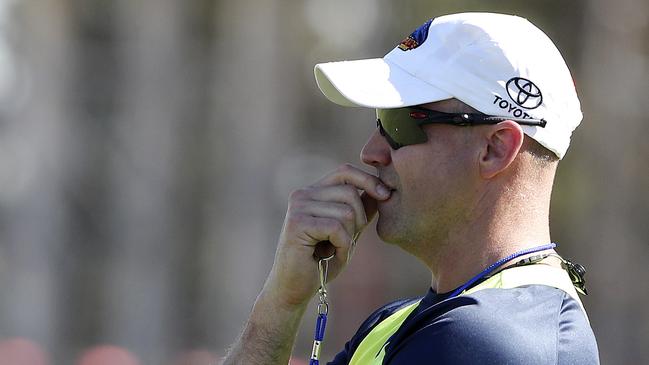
373,83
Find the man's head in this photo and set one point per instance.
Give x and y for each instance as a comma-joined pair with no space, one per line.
500,67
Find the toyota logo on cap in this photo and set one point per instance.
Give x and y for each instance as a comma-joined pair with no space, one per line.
524,93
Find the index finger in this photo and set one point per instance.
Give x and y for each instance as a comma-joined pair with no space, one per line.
352,175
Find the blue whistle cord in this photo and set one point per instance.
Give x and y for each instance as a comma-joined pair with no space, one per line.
499,263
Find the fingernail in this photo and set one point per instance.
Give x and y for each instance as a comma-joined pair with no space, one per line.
382,191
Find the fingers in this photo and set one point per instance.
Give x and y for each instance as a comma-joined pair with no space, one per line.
344,213
321,218
342,194
351,175
311,230
333,210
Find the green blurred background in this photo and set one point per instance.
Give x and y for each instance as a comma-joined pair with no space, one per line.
147,148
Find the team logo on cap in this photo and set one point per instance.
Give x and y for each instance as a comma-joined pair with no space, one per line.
524,93
416,38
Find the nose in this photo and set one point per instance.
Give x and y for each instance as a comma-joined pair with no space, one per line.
376,151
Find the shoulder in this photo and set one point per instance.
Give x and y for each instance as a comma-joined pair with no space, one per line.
527,325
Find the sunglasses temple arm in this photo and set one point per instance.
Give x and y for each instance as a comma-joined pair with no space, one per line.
493,120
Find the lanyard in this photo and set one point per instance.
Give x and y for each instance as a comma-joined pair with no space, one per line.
323,305
498,264
323,310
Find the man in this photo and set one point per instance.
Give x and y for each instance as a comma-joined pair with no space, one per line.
474,111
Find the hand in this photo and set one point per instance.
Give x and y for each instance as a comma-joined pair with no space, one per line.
330,210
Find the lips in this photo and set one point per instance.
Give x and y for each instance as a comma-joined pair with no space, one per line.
391,189
387,181
389,186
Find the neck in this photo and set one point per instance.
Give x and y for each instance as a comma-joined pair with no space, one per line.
495,229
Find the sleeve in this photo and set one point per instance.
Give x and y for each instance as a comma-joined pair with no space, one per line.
538,325
576,341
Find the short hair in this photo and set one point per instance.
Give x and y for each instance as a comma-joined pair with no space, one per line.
541,155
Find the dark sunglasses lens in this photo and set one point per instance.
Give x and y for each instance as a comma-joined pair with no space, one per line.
395,145
399,128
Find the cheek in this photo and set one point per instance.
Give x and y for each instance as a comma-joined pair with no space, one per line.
427,175
417,174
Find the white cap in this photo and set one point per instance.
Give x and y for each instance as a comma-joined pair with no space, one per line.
498,64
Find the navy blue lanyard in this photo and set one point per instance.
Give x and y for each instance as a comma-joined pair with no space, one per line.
498,264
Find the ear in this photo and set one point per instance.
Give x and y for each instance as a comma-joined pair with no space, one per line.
503,141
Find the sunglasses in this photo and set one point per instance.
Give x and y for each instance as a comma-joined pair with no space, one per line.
402,127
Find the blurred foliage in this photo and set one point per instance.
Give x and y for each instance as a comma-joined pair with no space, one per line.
148,147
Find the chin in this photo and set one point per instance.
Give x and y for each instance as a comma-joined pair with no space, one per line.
387,231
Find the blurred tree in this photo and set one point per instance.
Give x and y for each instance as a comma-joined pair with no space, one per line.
147,149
